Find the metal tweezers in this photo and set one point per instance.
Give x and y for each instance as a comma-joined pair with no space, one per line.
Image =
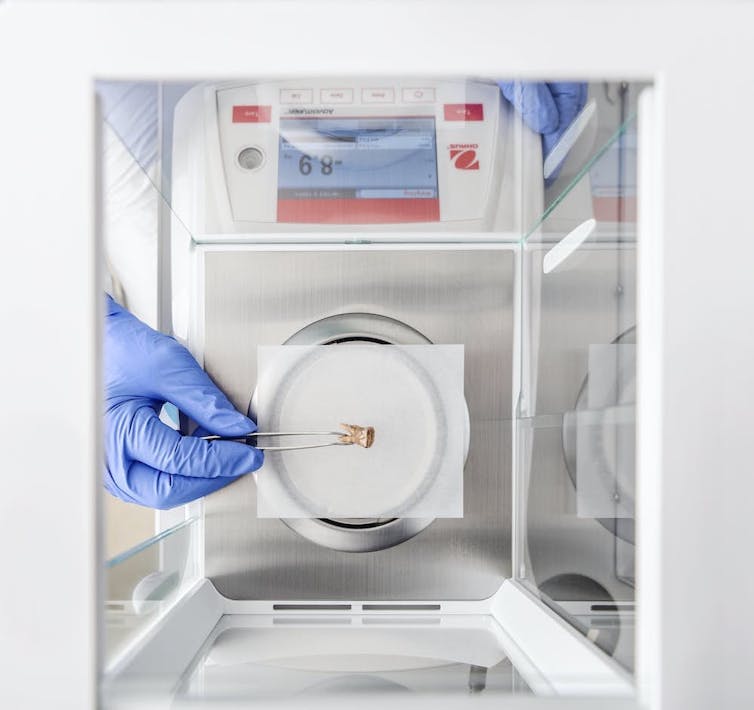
248,439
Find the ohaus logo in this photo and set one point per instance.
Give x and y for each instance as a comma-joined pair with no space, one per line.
464,156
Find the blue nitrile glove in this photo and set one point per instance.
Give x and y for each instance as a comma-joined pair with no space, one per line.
547,108
147,462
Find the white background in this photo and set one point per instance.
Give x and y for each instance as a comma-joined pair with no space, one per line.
697,306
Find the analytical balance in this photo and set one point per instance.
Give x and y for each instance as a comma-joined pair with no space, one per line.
333,175
390,211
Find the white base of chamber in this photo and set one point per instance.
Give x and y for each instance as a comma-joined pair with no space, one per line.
208,648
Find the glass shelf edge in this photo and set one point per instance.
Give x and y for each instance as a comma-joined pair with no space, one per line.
580,175
144,545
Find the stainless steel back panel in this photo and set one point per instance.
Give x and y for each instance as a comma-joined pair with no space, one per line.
451,296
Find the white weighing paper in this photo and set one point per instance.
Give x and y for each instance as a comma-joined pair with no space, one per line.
412,395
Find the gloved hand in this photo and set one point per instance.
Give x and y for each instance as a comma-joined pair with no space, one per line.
547,108
147,462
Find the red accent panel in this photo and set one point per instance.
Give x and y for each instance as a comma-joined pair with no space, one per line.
612,209
252,114
464,112
359,211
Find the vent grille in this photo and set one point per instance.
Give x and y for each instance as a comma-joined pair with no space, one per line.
311,607
400,607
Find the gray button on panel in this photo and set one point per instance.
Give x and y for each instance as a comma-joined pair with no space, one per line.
250,158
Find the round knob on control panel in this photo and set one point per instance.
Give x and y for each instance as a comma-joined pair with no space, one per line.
250,158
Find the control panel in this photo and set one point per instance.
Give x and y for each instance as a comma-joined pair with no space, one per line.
288,155
340,152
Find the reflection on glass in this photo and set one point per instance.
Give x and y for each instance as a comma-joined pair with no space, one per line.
576,414
284,657
431,166
610,177
144,581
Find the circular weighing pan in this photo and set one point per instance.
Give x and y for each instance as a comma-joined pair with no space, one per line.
403,405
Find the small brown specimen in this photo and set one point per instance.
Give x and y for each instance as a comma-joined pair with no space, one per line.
359,435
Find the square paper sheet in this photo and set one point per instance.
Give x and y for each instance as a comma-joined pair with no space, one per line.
412,395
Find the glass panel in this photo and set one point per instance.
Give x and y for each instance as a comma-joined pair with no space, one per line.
457,156
144,581
611,173
295,157
590,170
576,413
191,231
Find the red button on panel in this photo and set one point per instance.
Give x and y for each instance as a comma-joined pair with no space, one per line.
464,112
252,114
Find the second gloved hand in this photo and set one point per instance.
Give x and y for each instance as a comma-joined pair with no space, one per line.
147,462
547,108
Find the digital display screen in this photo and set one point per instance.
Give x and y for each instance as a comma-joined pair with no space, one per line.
357,170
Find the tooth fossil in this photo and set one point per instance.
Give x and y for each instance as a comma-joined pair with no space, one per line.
359,435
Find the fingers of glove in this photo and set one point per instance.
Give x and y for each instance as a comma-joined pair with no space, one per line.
183,383
534,102
157,489
113,489
569,98
150,441
200,431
